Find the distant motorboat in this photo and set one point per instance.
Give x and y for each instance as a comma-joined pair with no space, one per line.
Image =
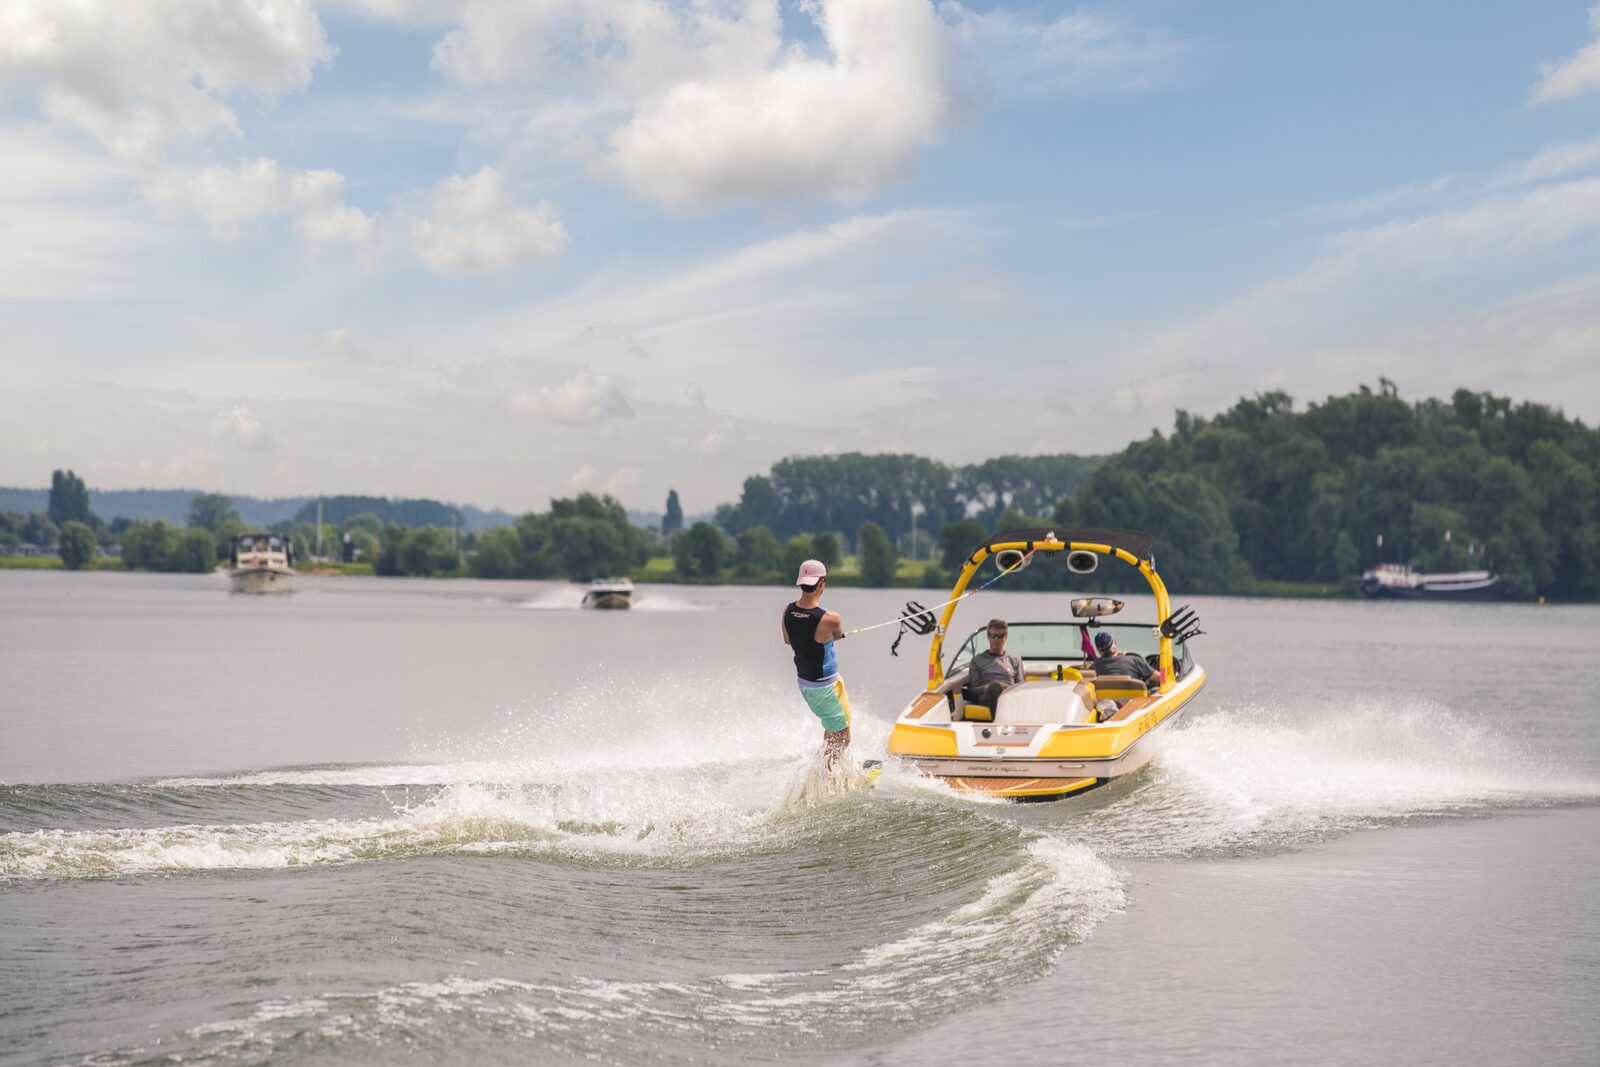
261,563
1398,581
609,594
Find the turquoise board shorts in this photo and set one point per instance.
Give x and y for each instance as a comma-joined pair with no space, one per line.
828,702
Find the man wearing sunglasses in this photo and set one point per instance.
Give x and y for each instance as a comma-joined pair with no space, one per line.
994,670
810,630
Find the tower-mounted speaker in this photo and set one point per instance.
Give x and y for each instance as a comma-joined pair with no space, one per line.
1011,559
1082,562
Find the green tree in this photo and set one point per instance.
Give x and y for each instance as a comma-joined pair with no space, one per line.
69,500
149,545
584,537
672,521
958,539
193,551
211,511
38,530
426,551
878,555
497,555
77,545
1345,558
795,552
363,543
365,520
390,541
226,534
759,551
700,552
1196,549
827,548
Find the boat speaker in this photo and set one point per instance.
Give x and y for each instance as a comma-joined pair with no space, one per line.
1011,559
1082,562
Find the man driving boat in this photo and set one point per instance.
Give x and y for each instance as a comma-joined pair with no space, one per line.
994,670
1111,660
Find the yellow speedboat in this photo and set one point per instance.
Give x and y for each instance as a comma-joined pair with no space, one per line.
1067,728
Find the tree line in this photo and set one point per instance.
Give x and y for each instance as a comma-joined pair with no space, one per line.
1264,491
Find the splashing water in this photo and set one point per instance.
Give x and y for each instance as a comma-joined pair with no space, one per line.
1255,780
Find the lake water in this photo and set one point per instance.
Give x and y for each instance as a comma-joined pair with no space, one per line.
469,822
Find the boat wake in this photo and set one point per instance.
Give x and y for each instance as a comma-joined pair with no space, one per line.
1253,780
1010,931
646,598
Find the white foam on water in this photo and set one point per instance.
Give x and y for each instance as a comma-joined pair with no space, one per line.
647,597
1254,777
662,793
564,598
651,817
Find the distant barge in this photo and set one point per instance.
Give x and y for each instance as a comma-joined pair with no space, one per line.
1396,581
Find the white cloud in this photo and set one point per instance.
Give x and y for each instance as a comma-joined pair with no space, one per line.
240,427
1496,240
69,230
622,479
475,226
584,399
1078,49
842,126
1554,162
1540,217
1577,75
722,106
227,197
582,477
615,46
319,197
133,74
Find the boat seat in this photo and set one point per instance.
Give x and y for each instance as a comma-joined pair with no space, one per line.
1118,687
976,713
1035,702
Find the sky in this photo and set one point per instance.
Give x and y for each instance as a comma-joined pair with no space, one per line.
495,252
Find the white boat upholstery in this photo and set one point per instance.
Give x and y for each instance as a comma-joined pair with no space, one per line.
1034,702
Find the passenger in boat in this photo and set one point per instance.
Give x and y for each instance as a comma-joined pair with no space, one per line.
810,630
994,670
1111,660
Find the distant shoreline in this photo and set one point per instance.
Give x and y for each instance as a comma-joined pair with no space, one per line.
841,579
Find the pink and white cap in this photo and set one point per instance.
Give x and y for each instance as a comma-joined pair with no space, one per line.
810,571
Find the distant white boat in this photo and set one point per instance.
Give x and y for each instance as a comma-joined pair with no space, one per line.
609,594
1398,581
261,563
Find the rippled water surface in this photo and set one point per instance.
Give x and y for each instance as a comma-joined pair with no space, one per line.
470,822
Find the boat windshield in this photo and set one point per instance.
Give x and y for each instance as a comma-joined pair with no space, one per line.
260,543
1056,641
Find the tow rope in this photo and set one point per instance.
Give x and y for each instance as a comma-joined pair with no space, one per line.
920,620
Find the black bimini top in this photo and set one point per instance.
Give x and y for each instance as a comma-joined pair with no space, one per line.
1134,542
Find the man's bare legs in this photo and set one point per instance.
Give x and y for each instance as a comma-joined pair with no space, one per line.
834,743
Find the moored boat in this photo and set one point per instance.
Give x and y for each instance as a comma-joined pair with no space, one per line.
1068,727
261,563
609,594
1398,581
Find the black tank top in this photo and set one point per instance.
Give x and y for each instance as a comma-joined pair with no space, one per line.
801,626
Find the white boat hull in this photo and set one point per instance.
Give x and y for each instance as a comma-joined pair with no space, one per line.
261,580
